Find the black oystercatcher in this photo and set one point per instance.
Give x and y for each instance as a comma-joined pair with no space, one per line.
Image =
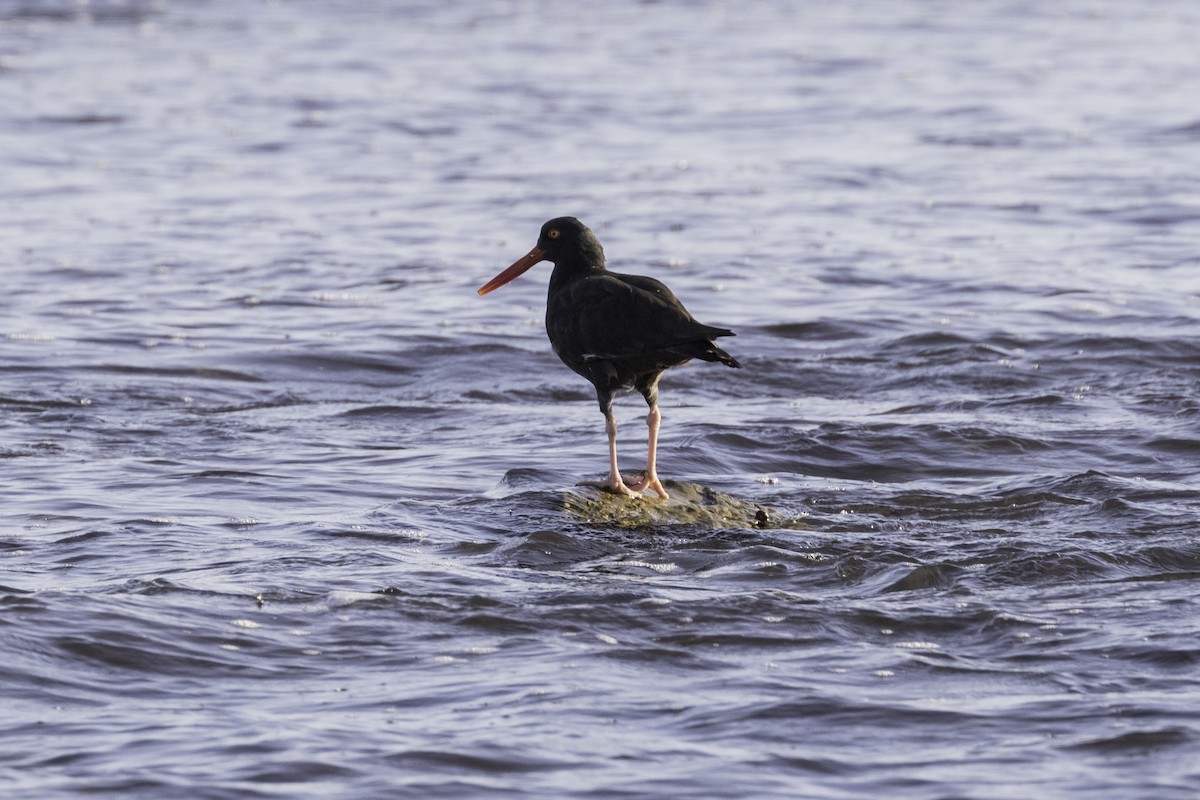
618,331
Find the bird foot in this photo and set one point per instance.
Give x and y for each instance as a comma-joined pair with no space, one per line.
615,485
649,481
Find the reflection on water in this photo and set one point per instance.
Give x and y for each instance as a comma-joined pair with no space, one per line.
291,512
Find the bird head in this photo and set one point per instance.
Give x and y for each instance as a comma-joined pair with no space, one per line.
562,240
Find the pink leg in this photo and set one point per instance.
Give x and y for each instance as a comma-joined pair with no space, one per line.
614,482
649,479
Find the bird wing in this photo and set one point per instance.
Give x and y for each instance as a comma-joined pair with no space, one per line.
610,316
657,287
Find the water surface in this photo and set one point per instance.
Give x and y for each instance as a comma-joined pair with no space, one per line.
290,512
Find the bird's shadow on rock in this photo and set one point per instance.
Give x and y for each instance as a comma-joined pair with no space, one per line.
690,504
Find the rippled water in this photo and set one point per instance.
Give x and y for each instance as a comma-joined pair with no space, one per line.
290,512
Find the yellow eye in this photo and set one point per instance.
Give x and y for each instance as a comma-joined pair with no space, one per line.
552,233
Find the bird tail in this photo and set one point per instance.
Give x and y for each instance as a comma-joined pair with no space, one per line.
705,351
703,348
714,353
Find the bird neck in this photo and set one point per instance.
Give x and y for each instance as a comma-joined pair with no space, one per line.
576,266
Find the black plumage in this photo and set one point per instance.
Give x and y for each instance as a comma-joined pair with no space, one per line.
621,332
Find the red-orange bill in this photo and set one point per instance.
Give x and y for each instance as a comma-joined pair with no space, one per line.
524,263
